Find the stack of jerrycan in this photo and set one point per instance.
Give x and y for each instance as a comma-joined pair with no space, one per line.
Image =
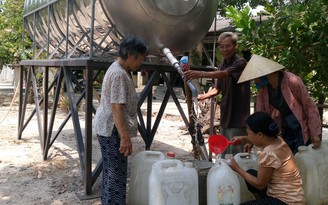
313,165
246,161
141,166
173,183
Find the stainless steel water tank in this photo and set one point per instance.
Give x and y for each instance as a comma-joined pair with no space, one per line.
176,24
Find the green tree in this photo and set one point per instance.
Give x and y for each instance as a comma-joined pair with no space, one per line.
294,35
11,27
240,4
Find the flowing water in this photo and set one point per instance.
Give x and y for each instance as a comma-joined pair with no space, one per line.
199,140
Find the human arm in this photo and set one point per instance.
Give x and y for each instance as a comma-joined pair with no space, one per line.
210,93
120,123
237,140
192,74
243,140
264,175
233,70
304,108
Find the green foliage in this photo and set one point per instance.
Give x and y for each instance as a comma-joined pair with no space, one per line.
240,4
295,36
11,27
196,59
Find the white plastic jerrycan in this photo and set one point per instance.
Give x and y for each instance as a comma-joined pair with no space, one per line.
223,186
246,161
141,166
313,165
172,183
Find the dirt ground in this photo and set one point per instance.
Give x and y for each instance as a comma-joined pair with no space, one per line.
25,178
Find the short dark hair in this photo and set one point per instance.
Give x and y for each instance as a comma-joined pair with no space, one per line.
133,45
262,122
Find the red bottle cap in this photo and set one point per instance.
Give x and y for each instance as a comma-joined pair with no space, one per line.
170,154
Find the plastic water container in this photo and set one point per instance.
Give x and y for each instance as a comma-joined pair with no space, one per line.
223,186
170,183
141,166
246,161
313,165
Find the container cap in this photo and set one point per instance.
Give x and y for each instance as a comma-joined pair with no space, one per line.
170,154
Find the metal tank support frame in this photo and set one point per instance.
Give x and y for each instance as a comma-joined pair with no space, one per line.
45,126
46,116
59,50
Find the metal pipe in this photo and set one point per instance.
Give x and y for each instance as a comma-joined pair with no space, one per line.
175,63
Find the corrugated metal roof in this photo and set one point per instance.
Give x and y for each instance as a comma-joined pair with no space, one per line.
221,23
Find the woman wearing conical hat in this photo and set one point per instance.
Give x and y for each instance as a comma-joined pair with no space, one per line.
284,96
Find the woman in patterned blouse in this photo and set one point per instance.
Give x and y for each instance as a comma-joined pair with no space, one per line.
116,119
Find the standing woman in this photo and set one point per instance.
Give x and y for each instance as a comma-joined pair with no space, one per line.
116,119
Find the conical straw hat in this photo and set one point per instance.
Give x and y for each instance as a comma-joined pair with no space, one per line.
258,66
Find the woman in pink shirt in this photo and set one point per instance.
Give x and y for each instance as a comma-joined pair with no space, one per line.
278,180
284,96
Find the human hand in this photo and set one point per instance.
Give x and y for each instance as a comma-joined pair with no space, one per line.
185,67
248,147
316,141
125,146
202,97
237,140
233,164
210,93
192,74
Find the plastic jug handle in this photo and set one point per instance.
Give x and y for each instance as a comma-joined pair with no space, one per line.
154,155
165,164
